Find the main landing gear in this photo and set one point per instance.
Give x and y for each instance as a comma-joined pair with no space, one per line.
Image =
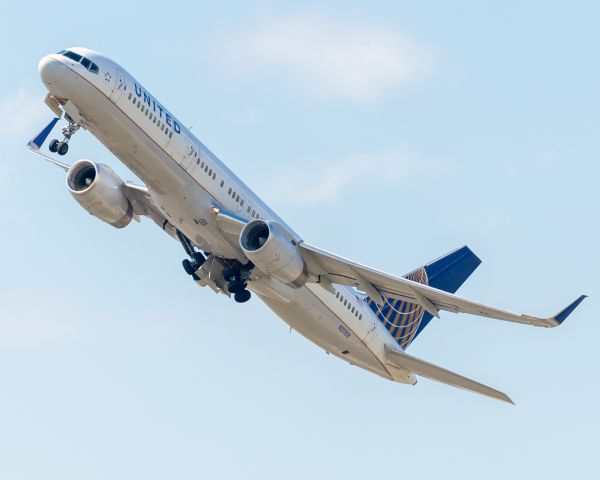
236,284
62,148
236,276
196,259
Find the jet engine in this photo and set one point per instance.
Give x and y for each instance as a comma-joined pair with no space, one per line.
272,250
98,189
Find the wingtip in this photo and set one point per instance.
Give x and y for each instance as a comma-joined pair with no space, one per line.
36,142
503,397
561,316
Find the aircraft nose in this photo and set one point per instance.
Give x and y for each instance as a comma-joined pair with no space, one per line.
51,70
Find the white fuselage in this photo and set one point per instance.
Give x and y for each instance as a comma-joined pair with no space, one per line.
186,180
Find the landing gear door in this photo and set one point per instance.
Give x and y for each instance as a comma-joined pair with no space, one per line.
119,86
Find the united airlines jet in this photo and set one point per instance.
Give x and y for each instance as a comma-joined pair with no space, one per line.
234,243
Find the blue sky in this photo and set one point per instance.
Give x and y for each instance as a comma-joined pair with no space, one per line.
388,132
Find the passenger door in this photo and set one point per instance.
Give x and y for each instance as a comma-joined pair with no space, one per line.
119,88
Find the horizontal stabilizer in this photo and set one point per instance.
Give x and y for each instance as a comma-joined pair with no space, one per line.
439,374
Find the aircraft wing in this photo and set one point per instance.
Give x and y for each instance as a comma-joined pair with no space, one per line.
328,267
141,201
439,374
138,195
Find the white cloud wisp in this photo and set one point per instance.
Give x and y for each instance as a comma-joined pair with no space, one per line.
343,59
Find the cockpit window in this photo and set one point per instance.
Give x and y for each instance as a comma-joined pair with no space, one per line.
88,64
72,56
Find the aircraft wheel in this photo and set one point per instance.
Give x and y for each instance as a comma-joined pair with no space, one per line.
62,148
53,147
236,286
188,267
242,296
199,259
230,274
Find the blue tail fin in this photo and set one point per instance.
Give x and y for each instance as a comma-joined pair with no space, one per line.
404,320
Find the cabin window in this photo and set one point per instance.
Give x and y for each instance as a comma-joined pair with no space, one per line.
360,317
210,173
229,191
215,176
222,183
129,96
170,134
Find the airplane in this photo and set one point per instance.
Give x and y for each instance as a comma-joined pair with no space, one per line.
234,243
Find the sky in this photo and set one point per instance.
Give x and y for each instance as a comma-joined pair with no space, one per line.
389,132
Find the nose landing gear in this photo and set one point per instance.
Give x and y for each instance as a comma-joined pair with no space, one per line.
62,148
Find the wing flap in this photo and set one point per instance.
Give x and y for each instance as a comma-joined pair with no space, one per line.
343,271
439,374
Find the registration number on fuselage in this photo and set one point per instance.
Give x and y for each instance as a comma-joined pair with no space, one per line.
344,331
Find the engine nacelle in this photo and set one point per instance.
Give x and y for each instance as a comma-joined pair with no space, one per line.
270,248
97,188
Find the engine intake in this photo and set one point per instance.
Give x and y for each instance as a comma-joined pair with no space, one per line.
270,248
98,189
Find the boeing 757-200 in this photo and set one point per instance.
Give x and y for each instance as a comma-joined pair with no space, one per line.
234,243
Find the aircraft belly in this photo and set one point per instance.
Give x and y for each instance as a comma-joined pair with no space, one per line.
185,203
313,319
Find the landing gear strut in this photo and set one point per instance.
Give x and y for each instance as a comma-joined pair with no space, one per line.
196,258
62,148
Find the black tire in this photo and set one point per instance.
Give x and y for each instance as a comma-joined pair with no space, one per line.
242,296
237,286
53,147
188,267
230,273
199,259
62,148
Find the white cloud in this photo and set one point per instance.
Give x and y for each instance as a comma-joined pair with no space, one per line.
31,321
23,113
328,182
342,58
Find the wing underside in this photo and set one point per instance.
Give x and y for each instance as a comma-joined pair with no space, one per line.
334,269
